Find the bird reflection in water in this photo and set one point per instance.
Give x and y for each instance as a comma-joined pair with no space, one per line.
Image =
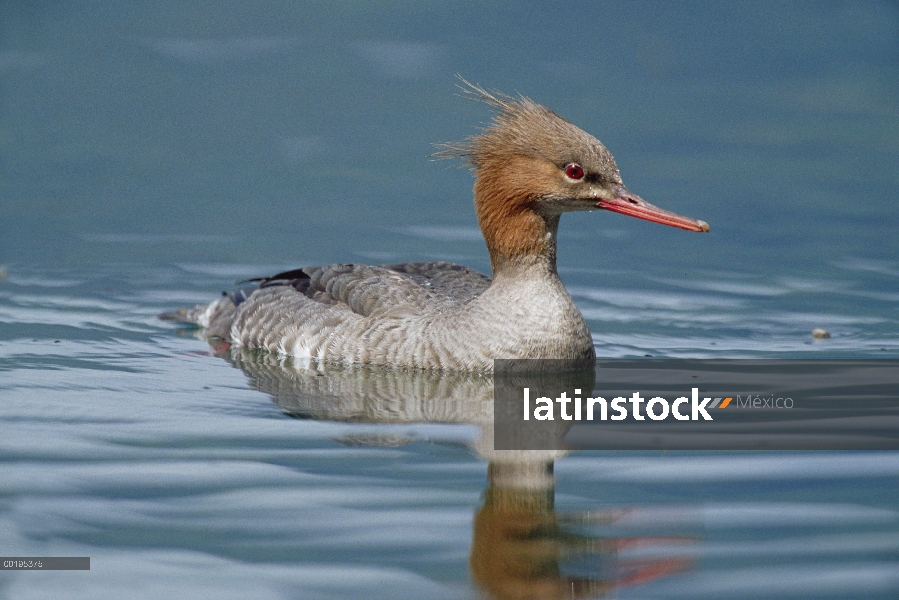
521,547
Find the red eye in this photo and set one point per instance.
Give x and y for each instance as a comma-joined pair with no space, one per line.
574,171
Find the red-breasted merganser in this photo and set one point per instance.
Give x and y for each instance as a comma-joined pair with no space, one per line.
531,165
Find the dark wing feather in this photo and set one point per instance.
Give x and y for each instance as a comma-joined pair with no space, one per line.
365,288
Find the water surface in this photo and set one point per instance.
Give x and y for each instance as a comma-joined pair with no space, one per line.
151,155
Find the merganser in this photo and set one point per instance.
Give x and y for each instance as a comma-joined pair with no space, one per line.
530,166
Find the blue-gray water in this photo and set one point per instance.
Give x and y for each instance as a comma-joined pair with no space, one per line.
153,153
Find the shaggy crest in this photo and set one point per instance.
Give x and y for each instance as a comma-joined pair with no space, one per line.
521,127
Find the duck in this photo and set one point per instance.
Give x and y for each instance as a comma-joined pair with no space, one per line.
530,166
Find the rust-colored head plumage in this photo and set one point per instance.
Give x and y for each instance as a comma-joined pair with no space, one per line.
524,162
523,128
531,165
